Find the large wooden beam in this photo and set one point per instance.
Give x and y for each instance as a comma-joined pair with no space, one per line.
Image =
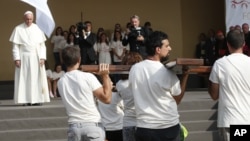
197,66
112,68
200,69
190,61
184,61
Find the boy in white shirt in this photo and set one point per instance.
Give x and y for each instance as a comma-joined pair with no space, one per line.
78,91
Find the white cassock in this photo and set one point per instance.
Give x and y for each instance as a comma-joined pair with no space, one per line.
31,84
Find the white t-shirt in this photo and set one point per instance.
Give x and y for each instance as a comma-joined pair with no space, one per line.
232,73
49,73
125,93
62,44
119,49
112,114
57,75
104,52
56,39
153,87
76,90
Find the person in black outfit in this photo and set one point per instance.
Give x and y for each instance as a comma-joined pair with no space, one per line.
246,32
136,37
200,47
221,44
87,40
148,26
211,50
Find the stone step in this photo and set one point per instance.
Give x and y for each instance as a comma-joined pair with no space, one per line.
197,115
200,125
22,112
34,134
197,105
33,123
203,136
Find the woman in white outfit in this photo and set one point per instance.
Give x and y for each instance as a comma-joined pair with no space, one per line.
103,49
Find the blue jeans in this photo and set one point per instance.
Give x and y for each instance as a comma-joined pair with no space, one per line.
86,132
166,134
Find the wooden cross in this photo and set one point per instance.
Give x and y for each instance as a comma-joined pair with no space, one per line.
195,66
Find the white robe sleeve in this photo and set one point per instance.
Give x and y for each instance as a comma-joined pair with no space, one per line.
16,52
42,51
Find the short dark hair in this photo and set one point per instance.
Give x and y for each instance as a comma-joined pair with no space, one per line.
147,24
154,40
235,39
70,56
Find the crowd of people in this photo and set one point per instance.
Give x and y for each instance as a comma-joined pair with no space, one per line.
213,45
100,47
140,105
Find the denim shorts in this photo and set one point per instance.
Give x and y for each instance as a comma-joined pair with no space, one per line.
86,132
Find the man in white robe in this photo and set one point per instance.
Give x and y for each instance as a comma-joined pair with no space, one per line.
29,55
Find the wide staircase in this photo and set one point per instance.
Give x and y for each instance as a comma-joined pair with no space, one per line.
198,113
33,123
49,122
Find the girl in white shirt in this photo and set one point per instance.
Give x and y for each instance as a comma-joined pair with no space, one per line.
70,40
118,49
62,44
55,41
103,49
58,72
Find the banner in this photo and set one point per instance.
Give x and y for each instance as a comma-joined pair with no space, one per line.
44,18
237,12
